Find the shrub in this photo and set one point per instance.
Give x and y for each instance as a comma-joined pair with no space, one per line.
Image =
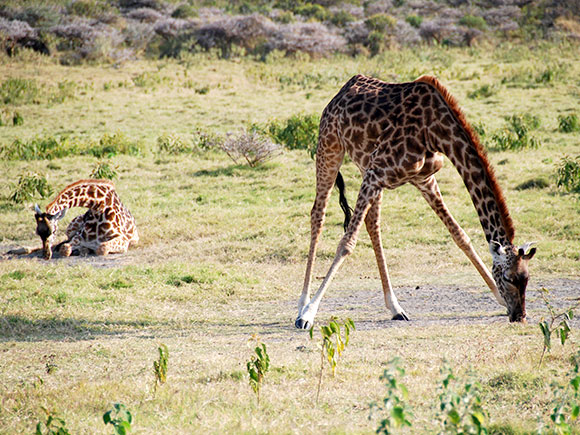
380,22
28,186
171,144
297,132
120,418
313,11
414,20
312,38
251,147
473,22
104,170
516,135
184,10
396,411
90,8
568,123
113,144
461,410
39,148
205,141
52,426
484,91
341,18
17,119
568,174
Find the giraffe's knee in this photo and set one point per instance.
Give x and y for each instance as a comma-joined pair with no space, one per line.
103,250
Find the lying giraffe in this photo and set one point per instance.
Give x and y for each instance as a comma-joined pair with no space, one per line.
397,134
106,228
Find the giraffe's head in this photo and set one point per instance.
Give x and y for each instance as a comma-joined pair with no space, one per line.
46,227
510,271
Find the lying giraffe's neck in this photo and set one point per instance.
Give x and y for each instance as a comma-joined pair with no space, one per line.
91,194
464,150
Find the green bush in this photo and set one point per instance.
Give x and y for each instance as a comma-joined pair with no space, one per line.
516,134
28,186
90,8
104,170
380,22
39,148
568,123
414,20
113,144
184,11
314,11
171,144
568,174
473,22
297,132
342,18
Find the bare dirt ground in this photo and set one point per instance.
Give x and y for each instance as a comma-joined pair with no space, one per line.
426,305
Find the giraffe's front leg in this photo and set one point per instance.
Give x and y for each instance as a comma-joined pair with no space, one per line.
369,192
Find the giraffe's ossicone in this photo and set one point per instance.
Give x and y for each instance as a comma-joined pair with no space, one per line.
106,228
398,133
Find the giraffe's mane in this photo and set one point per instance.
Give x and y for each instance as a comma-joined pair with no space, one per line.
79,183
481,153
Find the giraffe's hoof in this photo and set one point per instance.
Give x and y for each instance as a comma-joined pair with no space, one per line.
302,324
401,316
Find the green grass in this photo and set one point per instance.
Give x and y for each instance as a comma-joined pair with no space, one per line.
223,249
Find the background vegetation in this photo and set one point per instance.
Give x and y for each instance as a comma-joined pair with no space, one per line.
224,244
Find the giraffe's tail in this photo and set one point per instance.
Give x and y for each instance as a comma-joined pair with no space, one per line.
343,201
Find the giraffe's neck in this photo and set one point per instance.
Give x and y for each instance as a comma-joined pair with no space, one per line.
485,193
91,194
452,135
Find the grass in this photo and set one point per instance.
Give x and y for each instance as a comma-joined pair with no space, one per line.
223,250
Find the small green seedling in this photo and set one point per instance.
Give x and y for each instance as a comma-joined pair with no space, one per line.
332,349
558,322
460,408
160,367
396,411
53,425
257,367
120,418
566,403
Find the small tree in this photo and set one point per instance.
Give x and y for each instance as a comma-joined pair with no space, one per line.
257,367
332,346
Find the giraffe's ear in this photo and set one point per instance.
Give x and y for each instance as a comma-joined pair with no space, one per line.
496,249
37,210
522,251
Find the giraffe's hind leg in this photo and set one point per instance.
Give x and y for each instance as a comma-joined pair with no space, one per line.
369,192
430,191
116,245
329,157
372,221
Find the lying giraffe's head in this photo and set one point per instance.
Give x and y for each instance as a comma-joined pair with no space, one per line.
46,227
510,271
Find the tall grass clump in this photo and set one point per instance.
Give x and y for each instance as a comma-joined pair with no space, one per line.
19,91
171,144
568,123
568,174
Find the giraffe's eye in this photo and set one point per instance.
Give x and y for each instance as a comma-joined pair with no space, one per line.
508,279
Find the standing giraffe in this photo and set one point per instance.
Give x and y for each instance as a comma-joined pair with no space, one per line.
397,134
106,228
